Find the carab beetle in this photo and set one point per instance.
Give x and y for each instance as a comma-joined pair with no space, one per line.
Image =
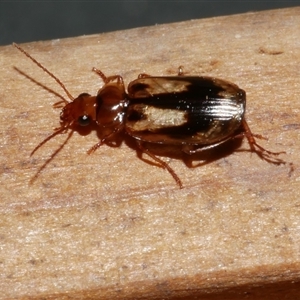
195,113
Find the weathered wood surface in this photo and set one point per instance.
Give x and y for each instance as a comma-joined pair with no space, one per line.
108,225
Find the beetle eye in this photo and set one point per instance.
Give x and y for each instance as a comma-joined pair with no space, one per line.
84,120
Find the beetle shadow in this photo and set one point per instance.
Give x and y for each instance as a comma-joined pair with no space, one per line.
213,154
175,152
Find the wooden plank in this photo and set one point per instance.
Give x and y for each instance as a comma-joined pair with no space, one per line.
108,225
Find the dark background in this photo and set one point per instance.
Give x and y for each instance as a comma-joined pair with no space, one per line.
25,21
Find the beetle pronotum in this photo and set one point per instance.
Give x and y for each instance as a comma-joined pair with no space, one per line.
195,113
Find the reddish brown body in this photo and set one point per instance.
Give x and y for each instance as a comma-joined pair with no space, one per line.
191,112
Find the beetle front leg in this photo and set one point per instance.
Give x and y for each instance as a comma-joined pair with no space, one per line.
105,138
160,162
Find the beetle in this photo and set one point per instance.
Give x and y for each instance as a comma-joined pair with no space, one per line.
195,113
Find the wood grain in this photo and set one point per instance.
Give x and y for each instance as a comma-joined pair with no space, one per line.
110,226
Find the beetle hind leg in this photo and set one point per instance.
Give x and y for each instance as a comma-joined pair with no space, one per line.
263,153
160,162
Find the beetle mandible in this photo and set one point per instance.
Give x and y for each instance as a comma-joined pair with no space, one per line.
195,113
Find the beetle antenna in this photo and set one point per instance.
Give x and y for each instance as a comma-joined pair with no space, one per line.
56,132
51,157
45,70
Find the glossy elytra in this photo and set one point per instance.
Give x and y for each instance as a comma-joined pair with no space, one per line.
195,113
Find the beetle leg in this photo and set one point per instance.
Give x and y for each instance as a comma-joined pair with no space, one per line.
96,146
143,75
180,71
162,163
103,140
108,79
255,147
192,149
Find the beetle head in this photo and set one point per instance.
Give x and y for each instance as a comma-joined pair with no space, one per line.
81,111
